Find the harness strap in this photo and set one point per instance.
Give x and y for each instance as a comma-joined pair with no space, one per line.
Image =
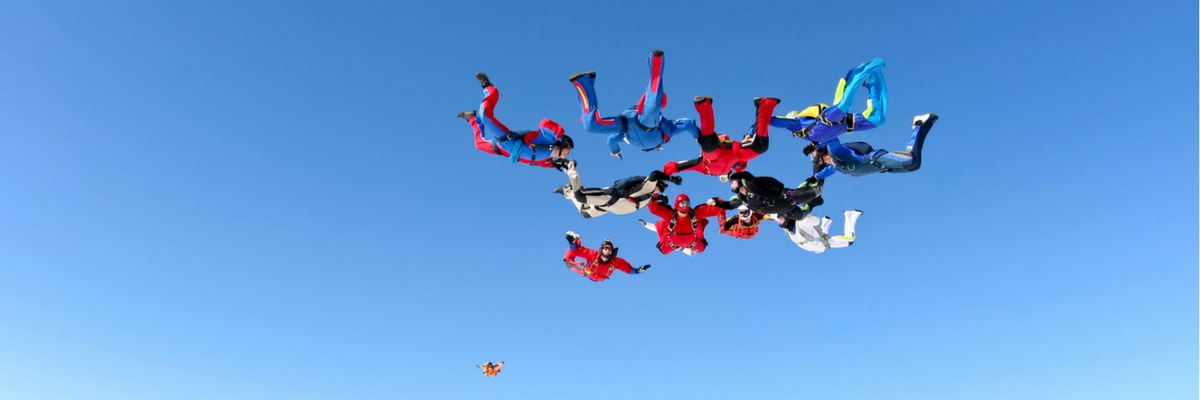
695,227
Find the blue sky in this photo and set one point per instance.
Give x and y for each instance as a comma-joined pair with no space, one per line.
274,200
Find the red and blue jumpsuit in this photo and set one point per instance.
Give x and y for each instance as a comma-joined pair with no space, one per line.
643,126
525,147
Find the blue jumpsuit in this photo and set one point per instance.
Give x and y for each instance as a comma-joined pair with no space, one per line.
821,123
643,126
859,158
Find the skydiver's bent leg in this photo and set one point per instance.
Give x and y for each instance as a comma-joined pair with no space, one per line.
488,126
869,74
764,107
592,122
650,108
900,162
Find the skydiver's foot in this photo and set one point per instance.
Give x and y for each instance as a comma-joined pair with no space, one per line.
467,115
922,119
702,99
689,252
483,79
590,74
758,100
848,213
656,52
676,179
561,189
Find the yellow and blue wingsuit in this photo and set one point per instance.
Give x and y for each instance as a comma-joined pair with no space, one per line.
643,125
821,123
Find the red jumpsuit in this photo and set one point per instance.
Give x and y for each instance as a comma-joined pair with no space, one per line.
720,155
742,229
592,267
682,232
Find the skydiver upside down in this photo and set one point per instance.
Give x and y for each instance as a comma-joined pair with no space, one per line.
719,154
643,125
623,197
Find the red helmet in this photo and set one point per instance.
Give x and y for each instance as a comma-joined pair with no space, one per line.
682,197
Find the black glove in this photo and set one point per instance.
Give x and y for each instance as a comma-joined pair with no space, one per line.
676,179
571,238
641,269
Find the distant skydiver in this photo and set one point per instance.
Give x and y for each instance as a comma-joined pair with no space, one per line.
596,265
643,125
859,158
745,225
538,147
821,123
681,227
623,197
490,369
719,154
768,195
812,233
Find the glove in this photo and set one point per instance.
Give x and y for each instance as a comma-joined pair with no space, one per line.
617,155
572,237
676,179
641,269
723,178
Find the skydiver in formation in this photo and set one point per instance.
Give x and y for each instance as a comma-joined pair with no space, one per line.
719,154
821,123
681,227
623,197
745,225
812,233
490,370
643,125
596,265
539,147
768,195
859,158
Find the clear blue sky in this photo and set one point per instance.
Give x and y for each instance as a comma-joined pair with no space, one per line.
273,200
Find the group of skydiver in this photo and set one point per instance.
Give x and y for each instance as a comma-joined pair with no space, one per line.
757,198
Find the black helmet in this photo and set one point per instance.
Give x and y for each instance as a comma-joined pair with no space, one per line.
565,142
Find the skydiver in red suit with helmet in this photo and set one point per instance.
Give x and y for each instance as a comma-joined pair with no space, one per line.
719,154
681,227
597,265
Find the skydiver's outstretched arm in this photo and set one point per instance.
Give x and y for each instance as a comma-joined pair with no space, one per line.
841,152
675,167
622,265
657,208
614,144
